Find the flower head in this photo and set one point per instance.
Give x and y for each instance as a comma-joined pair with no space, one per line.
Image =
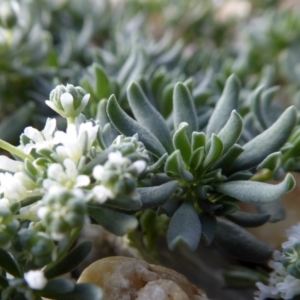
68,101
35,279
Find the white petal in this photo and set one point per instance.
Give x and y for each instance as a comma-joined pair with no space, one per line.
42,211
56,109
115,157
49,127
10,165
35,279
54,171
98,172
140,166
33,134
67,103
82,180
83,104
101,193
71,169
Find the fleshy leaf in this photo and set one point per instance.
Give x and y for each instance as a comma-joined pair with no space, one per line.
241,244
198,140
102,84
70,261
175,166
197,158
124,203
184,108
82,291
247,219
9,264
209,226
148,116
184,227
232,131
274,209
182,143
122,222
256,192
215,151
57,286
157,195
272,162
129,127
226,104
271,140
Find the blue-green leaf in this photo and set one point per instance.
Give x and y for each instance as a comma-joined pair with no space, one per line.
247,219
82,291
231,132
226,104
129,127
197,158
148,116
57,286
9,264
175,166
157,195
184,227
182,143
215,151
209,226
184,108
70,261
271,140
198,140
122,223
239,243
256,192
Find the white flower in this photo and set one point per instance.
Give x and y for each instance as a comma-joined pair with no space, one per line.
40,139
35,279
293,234
67,102
17,186
289,288
101,193
66,177
76,143
10,165
116,158
98,172
140,166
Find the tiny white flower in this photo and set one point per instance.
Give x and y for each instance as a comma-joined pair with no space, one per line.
98,172
40,139
18,186
66,177
116,157
140,166
35,279
75,143
101,193
42,212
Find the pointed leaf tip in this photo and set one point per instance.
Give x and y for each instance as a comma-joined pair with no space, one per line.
226,104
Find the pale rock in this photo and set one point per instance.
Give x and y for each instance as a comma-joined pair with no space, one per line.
124,278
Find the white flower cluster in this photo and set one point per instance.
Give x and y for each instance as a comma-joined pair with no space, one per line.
282,285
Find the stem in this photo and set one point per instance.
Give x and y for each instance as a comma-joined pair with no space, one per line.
71,120
14,150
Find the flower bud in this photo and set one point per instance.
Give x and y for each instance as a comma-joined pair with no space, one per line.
68,101
291,260
34,249
9,227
